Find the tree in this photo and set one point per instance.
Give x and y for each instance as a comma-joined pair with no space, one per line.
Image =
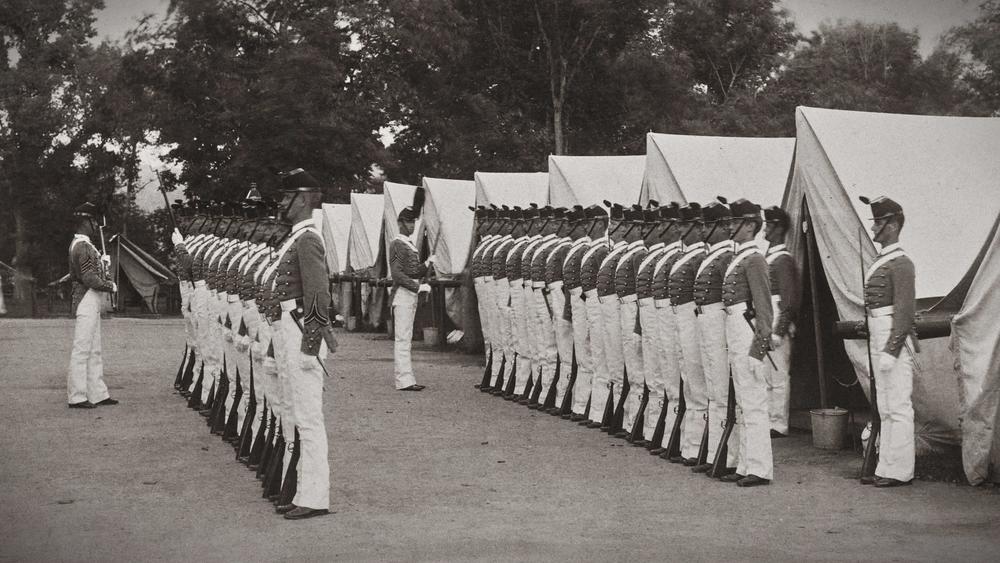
979,43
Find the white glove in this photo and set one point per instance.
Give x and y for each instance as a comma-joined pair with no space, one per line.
776,342
454,336
424,288
106,260
176,237
430,260
886,362
114,287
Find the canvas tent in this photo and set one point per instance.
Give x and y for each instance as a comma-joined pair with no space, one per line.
366,231
397,197
588,180
334,221
691,168
511,188
144,273
943,171
447,223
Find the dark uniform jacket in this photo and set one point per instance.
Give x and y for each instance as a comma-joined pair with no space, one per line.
680,280
711,271
746,281
302,275
890,280
572,263
405,266
591,263
627,270
85,269
660,283
784,278
607,267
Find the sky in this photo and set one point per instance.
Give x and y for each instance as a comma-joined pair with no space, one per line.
931,18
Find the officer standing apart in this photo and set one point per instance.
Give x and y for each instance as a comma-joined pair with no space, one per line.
890,299
406,269
785,298
89,271
302,287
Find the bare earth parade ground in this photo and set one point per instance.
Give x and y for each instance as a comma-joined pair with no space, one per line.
449,474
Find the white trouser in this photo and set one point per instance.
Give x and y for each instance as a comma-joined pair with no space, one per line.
256,331
306,385
564,342
652,365
751,399
695,392
614,362
581,349
504,332
533,344
187,289
404,307
669,358
546,344
233,365
894,390
482,302
632,352
283,395
715,366
522,345
85,381
600,383
778,379
201,307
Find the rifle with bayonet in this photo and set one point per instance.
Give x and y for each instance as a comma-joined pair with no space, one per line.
870,459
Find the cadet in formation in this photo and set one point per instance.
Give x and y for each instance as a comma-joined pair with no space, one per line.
255,298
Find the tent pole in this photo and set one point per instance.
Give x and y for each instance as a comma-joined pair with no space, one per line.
811,259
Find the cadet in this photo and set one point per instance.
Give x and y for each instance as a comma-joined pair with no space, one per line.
597,250
625,288
585,222
650,324
785,296
562,315
667,349
890,301
88,269
526,362
484,223
545,339
302,287
712,327
506,372
407,271
747,298
610,326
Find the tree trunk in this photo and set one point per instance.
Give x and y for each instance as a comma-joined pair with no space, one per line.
557,126
22,283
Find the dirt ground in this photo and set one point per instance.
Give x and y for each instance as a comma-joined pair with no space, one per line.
449,474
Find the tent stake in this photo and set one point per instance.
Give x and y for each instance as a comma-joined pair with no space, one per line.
811,259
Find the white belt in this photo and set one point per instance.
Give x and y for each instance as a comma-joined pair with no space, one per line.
232,297
628,299
576,291
514,283
613,298
199,283
250,304
289,305
711,307
882,311
537,284
775,299
646,302
661,303
555,285
590,293
479,279
736,308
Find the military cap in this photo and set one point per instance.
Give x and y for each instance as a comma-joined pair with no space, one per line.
714,212
407,214
652,204
298,180
745,209
690,213
651,215
670,212
86,209
576,214
531,212
617,211
559,213
882,207
595,211
632,214
777,215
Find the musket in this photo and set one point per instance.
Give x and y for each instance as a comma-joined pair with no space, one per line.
722,452
104,252
870,458
166,200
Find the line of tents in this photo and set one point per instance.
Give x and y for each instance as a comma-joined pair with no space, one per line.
945,171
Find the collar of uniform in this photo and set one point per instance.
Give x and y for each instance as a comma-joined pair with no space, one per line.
636,244
303,224
745,245
549,236
80,237
656,246
775,248
696,247
722,244
581,240
887,249
676,244
618,244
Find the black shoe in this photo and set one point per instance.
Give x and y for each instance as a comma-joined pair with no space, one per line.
733,477
284,508
413,387
752,481
689,461
566,416
534,406
703,468
869,479
657,451
83,405
574,417
486,389
107,402
672,459
725,472
510,397
776,434
622,434
640,443
593,424
886,482
301,513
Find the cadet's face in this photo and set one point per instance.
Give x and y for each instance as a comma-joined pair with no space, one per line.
406,227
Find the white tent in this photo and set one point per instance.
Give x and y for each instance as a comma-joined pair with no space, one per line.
397,197
588,180
691,168
512,188
366,230
334,221
447,222
943,171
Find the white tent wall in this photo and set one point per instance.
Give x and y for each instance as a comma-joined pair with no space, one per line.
589,180
511,188
692,168
976,342
366,229
397,197
937,169
336,223
446,213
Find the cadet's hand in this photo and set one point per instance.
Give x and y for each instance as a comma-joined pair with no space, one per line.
454,336
114,287
176,237
430,260
331,340
106,260
776,342
424,288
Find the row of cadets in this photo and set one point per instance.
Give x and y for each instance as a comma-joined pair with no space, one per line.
544,317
